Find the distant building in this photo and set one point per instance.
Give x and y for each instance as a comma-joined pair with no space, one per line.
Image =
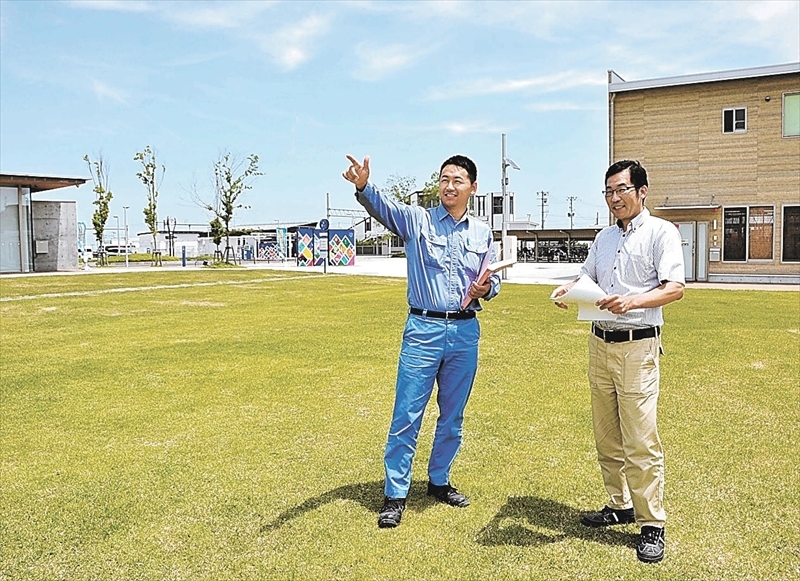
174,240
37,235
722,151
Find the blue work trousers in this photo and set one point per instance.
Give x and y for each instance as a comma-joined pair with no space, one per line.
444,351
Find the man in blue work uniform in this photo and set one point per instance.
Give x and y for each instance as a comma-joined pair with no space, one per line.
445,248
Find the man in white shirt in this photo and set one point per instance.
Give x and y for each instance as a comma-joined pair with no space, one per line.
638,262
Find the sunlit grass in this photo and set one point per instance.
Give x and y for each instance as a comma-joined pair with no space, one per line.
230,425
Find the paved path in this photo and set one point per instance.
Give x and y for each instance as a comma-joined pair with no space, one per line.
548,273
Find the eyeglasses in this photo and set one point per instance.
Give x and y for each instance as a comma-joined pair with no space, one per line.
618,191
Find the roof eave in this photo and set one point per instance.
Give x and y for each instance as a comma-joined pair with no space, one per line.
37,183
615,86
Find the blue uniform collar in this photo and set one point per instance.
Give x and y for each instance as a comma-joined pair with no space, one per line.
441,213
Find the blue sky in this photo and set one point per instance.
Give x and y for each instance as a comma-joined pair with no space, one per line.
301,84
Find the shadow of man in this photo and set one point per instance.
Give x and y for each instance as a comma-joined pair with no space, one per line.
367,494
530,521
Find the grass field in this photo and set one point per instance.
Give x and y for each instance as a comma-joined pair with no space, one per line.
230,425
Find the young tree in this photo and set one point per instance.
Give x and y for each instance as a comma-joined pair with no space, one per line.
149,176
231,180
400,187
217,232
99,171
430,191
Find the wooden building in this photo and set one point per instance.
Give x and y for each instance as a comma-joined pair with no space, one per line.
722,151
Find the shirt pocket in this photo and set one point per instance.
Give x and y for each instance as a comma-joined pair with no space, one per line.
433,248
473,257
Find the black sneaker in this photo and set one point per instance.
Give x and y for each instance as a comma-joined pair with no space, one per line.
448,495
650,547
391,513
608,516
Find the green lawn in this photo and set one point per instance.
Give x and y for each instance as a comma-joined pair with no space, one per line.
230,425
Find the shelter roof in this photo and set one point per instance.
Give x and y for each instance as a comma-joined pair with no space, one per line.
39,183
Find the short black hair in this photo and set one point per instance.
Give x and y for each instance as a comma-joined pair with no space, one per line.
638,173
464,162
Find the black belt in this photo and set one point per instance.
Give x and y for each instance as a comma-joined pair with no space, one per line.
629,335
450,315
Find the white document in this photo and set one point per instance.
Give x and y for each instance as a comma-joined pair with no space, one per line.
585,293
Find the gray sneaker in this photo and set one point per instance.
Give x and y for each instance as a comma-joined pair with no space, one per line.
650,547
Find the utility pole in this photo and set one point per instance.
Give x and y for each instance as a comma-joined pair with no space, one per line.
543,196
125,214
505,163
503,186
571,214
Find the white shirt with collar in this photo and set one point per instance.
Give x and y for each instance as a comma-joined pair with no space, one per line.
635,261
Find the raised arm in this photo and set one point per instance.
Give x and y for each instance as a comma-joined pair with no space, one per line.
398,217
358,173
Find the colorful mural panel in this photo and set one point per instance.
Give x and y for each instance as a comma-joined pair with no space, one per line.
342,244
341,247
305,247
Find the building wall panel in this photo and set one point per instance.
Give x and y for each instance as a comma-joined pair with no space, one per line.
677,133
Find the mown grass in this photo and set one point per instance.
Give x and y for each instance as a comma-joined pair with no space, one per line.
230,425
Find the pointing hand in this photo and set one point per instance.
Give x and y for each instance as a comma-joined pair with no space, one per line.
357,173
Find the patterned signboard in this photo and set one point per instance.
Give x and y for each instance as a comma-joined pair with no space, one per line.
277,250
342,244
341,247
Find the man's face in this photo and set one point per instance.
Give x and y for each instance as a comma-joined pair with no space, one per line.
628,204
455,188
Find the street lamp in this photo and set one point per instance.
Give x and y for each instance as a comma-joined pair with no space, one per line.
117,217
125,214
506,163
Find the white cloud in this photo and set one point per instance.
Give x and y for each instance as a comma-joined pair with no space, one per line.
113,5
289,46
103,91
545,107
539,84
454,127
475,127
378,62
771,23
224,15
292,46
766,11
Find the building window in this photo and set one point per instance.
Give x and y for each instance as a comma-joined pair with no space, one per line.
761,231
749,233
734,241
734,120
791,234
791,114
480,205
497,204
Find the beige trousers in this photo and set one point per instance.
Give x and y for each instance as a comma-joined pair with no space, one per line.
624,386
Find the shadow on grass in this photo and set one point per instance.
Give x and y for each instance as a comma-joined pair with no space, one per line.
530,521
367,494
